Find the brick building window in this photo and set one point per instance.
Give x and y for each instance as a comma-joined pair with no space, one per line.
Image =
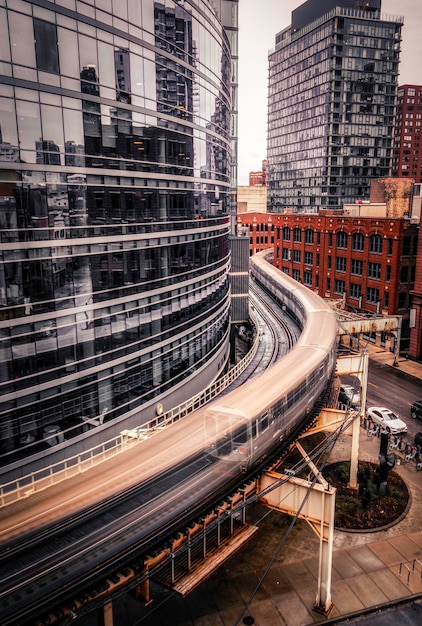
307,278
356,267
296,256
340,264
309,236
372,295
388,273
374,270
355,290
358,242
375,244
286,233
296,275
339,286
386,299
309,258
286,254
297,235
390,247
341,239
406,246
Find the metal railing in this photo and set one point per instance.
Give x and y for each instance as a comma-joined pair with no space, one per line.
46,477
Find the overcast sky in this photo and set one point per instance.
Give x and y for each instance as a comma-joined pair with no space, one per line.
259,22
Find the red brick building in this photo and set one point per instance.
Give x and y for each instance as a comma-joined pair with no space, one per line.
415,347
261,229
369,262
259,178
407,149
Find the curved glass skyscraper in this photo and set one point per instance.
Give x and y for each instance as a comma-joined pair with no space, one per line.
115,178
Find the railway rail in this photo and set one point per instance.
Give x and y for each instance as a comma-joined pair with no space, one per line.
43,567
36,557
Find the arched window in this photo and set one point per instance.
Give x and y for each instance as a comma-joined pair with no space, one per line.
358,241
286,233
309,235
375,244
341,239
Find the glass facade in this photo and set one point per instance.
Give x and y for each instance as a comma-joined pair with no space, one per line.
332,86
115,191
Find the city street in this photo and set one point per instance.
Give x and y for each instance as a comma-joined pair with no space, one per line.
390,387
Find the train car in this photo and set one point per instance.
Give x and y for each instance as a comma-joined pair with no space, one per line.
255,418
183,470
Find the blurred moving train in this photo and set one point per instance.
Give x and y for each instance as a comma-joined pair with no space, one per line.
187,468
256,417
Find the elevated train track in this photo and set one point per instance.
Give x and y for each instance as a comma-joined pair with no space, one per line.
212,453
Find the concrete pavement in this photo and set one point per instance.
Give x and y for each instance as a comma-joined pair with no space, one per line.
405,366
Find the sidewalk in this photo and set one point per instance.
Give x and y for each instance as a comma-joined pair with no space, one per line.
383,357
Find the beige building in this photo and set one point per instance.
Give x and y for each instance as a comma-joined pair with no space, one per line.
251,199
366,209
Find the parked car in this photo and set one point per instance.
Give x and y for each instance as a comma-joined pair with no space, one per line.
387,419
418,439
416,410
348,395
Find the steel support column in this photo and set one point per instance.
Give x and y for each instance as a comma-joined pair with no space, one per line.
358,366
314,502
323,603
107,613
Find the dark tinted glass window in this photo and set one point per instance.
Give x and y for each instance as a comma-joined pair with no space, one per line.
341,240
46,49
375,244
406,246
358,241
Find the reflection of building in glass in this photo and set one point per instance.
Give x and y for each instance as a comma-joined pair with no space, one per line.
7,151
48,152
332,85
114,222
122,65
74,154
173,34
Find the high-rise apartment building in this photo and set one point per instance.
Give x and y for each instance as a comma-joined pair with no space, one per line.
332,87
407,149
116,177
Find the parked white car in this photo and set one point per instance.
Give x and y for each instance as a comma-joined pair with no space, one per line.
387,419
